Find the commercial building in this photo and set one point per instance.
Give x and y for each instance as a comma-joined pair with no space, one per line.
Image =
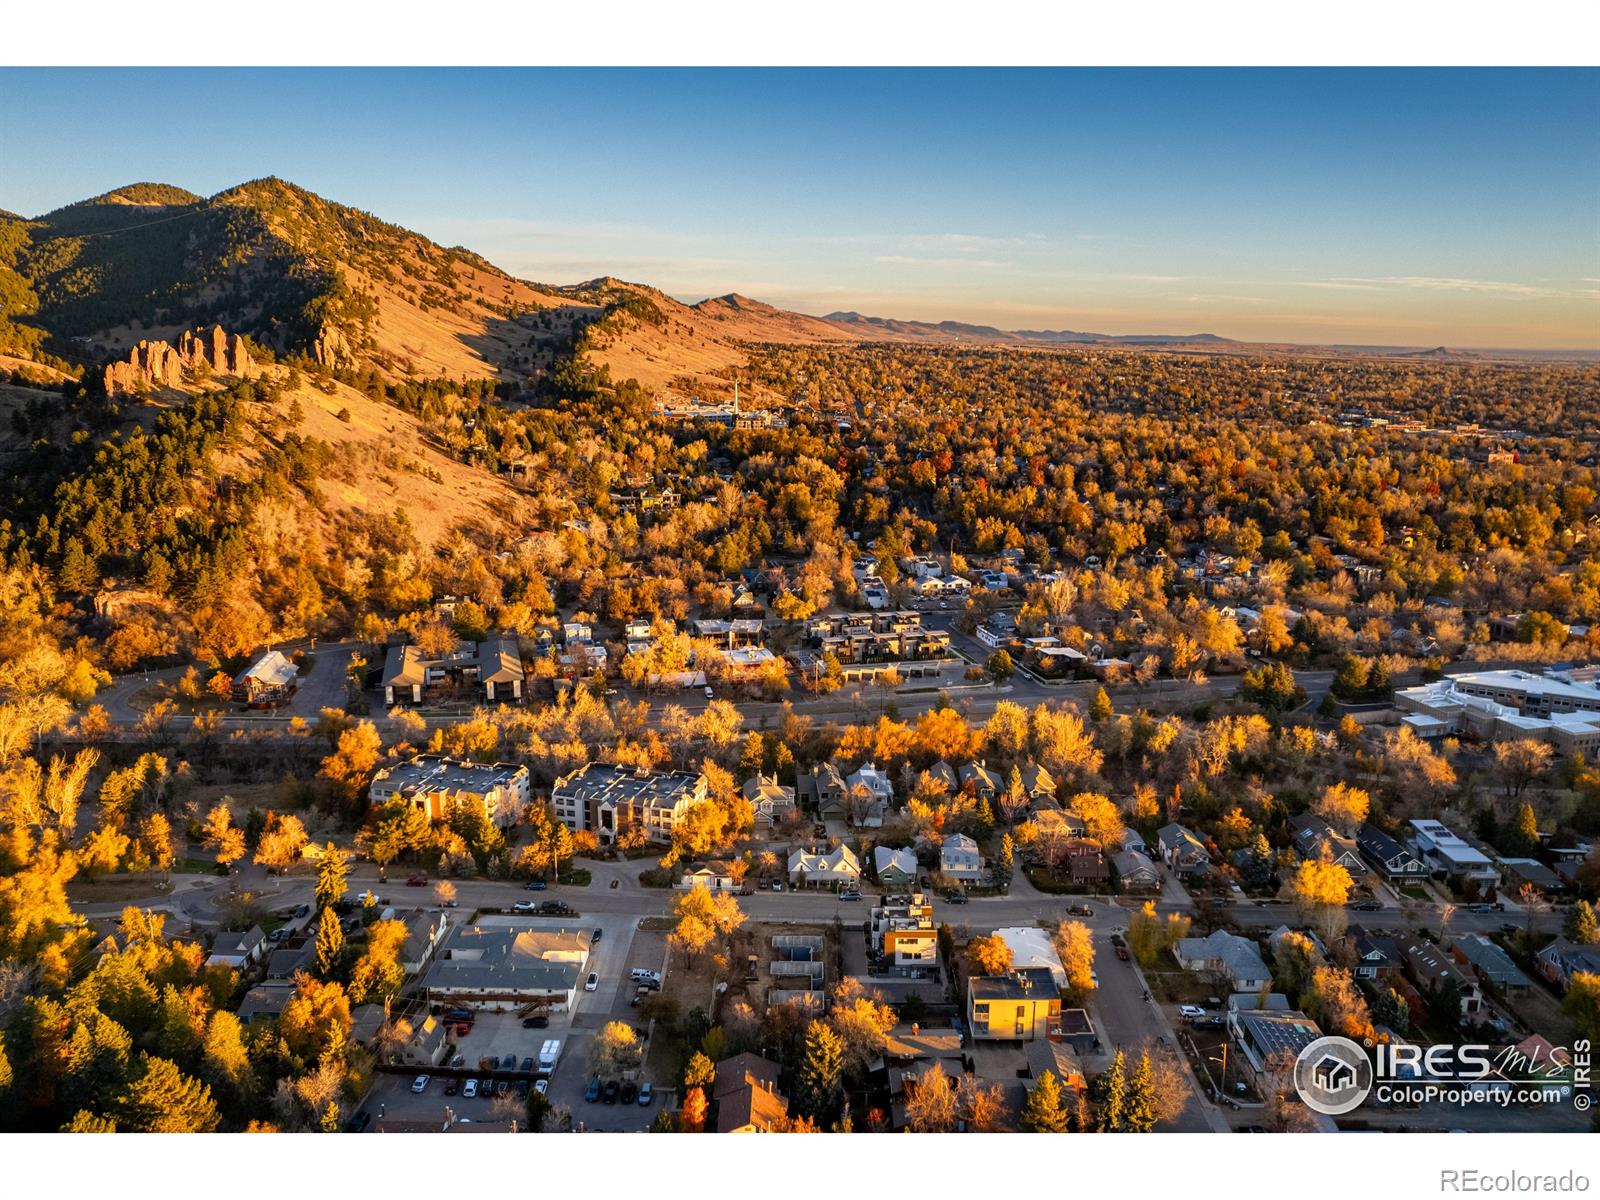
437,784
508,967
1558,707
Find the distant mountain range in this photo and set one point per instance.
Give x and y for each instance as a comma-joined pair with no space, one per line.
893,329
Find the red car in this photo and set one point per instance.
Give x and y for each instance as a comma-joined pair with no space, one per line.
417,881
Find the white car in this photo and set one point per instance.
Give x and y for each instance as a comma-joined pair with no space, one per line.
469,1089
419,1084
542,1086
593,982
525,906
1191,1012
710,695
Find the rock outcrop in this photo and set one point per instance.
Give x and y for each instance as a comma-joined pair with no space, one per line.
154,365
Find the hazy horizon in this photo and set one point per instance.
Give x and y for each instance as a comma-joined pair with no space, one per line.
1360,207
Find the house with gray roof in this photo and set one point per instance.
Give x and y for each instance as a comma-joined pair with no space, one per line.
1489,961
1183,850
492,669
506,967
1234,958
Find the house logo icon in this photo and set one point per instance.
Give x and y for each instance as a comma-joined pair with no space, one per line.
1332,1075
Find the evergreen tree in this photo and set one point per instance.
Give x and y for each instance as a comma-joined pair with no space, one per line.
1113,1096
1139,1115
1100,707
332,875
1581,925
330,944
165,1100
822,1071
1524,838
1044,1112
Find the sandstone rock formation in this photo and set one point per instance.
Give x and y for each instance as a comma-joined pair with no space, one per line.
157,365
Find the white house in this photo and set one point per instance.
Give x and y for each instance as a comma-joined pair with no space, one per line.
237,950
838,869
959,858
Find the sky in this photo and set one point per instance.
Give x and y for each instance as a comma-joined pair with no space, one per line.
1411,207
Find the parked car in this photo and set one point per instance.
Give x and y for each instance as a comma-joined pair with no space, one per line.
644,1094
522,1089
417,881
470,1089
535,885
1080,910
277,935
305,911
710,695
777,886
608,1094
542,1086
595,936
593,1093
956,898
630,1093
526,1066
1190,1012
849,895
537,1021
457,1014
1367,906
1122,952
494,1062
593,982
501,1088
420,1084
361,1120
1118,940
525,906
452,1086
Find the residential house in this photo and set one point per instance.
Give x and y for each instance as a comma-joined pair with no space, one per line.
715,876
1389,858
1491,964
271,679
1136,873
1060,1060
237,950
1086,863
1039,785
265,1001
424,1045
1033,947
909,1051
491,668
903,934
980,780
869,796
1021,1006
1525,872
1431,969
1562,959
837,869
1267,1039
959,858
894,868
1183,851
1314,838
825,791
773,803
745,1093
424,932
1234,958
612,799
437,785
1465,866
943,773
1377,955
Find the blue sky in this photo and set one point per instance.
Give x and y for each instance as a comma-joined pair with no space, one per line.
1459,207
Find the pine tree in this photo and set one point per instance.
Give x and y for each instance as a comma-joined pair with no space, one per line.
1100,707
1139,1115
822,1072
330,944
1582,926
1044,1112
1526,837
165,1100
332,873
1113,1096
